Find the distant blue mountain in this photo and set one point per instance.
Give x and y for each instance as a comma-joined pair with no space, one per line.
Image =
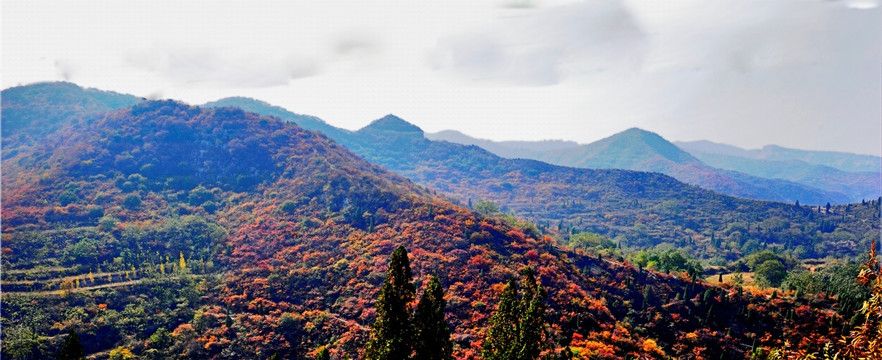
636,149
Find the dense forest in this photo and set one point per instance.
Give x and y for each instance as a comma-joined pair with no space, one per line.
164,230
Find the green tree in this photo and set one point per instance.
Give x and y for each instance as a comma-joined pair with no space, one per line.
132,201
502,337
486,207
532,336
771,273
71,348
291,329
392,332
432,333
518,328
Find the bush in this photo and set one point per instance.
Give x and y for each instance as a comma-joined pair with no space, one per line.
132,201
288,207
67,197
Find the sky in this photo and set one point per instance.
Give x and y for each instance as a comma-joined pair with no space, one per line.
797,73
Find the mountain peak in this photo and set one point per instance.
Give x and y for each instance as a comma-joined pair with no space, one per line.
635,146
638,132
236,100
393,123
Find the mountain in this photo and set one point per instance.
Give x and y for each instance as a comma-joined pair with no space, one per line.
506,149
173,231
857,186
837,160
637,209
636,149
30,112
819,169
253,105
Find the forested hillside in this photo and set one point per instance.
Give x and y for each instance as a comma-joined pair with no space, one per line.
636,210
169,231
33,111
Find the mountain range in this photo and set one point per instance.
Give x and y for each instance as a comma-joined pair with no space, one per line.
639,209
776,173
166,230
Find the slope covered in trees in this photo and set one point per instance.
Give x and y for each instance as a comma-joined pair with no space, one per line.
634,210
224,234
33,111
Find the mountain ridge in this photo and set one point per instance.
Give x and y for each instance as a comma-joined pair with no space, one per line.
650,208
844,161
637,149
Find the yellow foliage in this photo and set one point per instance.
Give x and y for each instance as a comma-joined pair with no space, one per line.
651,347
121,353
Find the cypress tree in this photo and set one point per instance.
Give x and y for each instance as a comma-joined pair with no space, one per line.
502,337
432,333
392,332
71,349
532,335
517,328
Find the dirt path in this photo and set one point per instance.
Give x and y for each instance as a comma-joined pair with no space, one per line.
87,288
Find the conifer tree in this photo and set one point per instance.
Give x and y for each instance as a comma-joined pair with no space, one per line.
432,333
392,332
502,337
517,328
71,348
532,337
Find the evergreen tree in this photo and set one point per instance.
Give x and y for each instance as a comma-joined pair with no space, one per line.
392,332
517,328
532,337
71,349
502,337
432,333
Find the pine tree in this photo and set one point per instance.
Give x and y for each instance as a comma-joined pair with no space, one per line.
532,337
517,328
502,337
392,332
71,349
432,333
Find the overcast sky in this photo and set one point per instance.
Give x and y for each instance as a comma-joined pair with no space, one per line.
804,74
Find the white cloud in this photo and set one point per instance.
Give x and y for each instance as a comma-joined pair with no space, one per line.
543,46
748,72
